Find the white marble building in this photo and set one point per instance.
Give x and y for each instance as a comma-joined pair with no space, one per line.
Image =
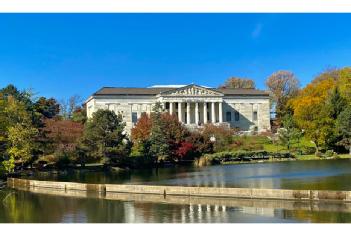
246,109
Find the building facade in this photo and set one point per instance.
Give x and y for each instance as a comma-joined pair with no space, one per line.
246,109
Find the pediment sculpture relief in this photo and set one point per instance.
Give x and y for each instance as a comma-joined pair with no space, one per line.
192,91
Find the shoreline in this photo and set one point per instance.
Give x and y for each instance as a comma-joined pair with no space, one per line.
214,192
310,157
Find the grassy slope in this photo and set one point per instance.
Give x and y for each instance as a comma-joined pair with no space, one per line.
263,143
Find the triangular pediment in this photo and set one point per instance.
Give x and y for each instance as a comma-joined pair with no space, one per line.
192,90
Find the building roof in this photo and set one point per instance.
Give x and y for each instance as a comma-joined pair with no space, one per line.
154,91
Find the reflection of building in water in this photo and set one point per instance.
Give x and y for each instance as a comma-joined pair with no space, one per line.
192,213
74,217
205,214
259,211
260,176
217,179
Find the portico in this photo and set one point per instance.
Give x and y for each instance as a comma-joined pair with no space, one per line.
196,112
194,105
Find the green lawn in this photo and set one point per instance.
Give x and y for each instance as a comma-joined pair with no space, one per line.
314,157
250,143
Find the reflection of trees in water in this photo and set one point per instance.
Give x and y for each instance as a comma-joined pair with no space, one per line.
317,216
338,182
28,207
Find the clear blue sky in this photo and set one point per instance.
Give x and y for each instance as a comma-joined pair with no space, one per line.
59,55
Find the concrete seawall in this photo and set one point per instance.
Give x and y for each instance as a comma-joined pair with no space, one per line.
245,193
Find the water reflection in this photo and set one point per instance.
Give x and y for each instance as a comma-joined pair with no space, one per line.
24,206
323,174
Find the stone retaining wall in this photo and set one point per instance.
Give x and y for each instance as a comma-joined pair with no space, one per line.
283,194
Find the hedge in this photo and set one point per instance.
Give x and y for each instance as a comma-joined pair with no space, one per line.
228,156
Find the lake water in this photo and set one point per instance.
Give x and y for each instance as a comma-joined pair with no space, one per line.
23,206
321,174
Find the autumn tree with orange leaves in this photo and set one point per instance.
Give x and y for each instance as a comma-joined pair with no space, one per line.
318,105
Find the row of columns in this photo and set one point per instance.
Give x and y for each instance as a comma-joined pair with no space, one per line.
197,117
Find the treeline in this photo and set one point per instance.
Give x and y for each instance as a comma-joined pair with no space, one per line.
320,112
36,131
41,131
33,127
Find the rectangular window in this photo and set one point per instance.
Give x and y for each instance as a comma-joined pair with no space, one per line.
254,116
229,116
237,116
134,117
167,105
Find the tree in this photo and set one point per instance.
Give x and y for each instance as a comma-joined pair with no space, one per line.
345,83
49,108
140,135
21,142
316,108
238,83
21,96
185,150
174,132
289,134
21,133
159,135
283,85
308,108
79,115
62,135
344,128
68,107
142,128
104,137
159,146
334,105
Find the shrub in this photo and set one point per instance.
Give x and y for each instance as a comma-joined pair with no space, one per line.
223,136
201,144
318,154
185,151
227,156
308,150
63,159
330,153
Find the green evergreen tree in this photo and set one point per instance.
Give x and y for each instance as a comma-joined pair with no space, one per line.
159,146
104,137
344,128
335,104
289,134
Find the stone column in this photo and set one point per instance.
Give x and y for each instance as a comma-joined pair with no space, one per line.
180,114
171,108
188,112
220,112
213,112
149,109
197,113
205,113
139,110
